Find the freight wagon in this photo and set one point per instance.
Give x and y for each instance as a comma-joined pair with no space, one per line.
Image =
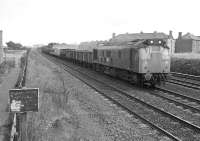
84,57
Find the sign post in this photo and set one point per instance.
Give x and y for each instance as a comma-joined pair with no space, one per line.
22,101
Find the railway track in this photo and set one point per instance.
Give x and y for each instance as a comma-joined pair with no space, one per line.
169,124
189,81
188,102
188,76
184,83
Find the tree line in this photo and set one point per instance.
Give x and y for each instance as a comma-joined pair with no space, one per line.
15,46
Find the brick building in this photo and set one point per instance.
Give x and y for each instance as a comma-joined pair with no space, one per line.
187,43
155,35
1,46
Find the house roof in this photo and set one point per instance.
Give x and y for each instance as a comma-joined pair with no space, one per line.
136,36
190,36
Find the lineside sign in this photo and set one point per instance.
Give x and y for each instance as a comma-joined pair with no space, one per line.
24,100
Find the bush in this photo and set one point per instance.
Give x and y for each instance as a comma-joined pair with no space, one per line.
187,66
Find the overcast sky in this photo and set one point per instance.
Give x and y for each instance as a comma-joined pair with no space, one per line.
72,21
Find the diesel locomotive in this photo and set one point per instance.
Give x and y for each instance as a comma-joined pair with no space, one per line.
139,61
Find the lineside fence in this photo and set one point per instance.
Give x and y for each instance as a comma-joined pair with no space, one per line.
16,129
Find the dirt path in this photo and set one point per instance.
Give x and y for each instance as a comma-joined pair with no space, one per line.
71,111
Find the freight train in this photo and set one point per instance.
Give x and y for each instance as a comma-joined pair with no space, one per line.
140,61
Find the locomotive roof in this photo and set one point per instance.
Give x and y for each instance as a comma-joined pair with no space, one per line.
133,44
123,45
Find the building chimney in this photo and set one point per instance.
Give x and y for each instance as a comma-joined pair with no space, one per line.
170,34
180,35
113,35
1,38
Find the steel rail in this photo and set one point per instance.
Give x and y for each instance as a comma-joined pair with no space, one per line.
184,81
178,94
179,82
189,76
194,109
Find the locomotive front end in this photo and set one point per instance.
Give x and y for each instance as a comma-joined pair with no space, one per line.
154,61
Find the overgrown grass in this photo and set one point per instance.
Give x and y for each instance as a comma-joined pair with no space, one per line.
54,110
6,66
